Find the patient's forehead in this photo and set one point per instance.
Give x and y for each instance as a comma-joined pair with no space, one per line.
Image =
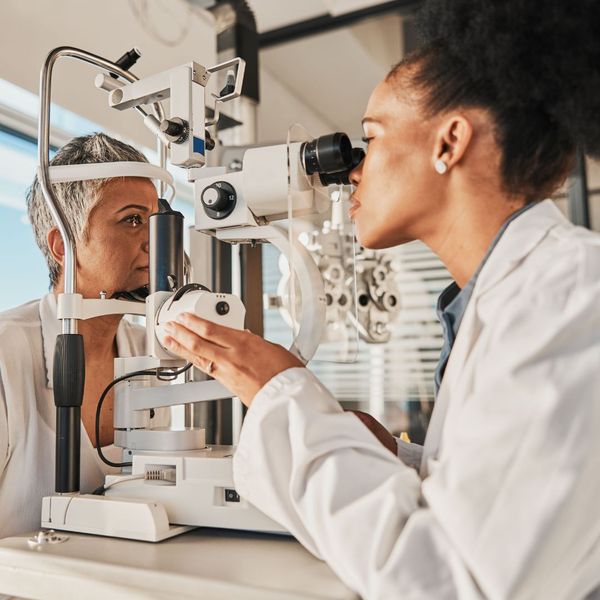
122,192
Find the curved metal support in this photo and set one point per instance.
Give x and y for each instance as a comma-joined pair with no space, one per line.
312,316
69,325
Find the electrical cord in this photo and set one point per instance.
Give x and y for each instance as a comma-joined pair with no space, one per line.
102,489
161,373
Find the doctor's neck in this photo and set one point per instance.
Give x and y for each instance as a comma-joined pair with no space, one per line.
470,218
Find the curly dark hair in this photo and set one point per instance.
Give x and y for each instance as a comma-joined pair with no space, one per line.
533,64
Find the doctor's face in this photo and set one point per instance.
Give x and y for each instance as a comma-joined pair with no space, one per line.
114,253
396,185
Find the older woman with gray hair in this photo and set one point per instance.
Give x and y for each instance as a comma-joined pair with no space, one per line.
109,219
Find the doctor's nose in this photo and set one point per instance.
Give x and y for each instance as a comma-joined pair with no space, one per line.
356,174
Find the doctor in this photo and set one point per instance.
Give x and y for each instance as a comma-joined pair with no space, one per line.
465,138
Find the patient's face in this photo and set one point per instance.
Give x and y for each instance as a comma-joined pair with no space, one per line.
114,254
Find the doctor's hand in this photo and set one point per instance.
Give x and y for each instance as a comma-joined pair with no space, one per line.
379,431
242,361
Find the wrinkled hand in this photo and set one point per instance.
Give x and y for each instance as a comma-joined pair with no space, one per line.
242,361
379,431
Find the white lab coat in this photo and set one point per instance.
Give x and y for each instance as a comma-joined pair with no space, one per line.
507,504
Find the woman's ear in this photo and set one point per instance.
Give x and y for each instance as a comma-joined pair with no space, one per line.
452,140
56,246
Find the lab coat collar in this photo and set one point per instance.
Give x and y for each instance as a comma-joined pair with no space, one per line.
521,236
51,327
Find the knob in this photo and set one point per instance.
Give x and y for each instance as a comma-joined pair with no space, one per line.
222,308
219,199
176,130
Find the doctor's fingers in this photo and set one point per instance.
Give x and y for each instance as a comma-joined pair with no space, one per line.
213,332
190,346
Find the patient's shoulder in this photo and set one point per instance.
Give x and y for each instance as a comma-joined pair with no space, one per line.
20,331
28,313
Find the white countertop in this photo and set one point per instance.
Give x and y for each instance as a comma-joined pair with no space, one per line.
203,563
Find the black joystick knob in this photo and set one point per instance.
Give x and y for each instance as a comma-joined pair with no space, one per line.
219,199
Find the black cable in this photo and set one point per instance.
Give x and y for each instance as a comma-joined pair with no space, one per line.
161,373
99,410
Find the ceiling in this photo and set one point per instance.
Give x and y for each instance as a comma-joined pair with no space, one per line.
332,73
273,14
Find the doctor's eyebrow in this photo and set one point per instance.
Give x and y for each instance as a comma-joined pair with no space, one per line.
136,206
369,120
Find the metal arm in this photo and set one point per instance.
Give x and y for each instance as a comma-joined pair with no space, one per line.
69,325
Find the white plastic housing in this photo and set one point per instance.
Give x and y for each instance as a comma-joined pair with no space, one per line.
203,304
199,496
262,189
184,86
133,519
164,439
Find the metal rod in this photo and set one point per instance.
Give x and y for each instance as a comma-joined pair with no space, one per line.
326,22
579,208
162,161
68,436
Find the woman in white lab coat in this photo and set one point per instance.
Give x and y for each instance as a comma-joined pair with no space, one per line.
466,137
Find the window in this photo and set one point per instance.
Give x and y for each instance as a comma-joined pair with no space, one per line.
23,270
391,381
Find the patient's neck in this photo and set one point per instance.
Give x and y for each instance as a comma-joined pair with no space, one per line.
99,334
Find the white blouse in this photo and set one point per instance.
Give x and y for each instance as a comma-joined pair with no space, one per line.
27,413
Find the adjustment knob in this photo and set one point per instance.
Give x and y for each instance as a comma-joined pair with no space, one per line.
176,130
219,199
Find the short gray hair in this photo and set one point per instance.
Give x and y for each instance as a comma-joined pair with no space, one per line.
76,198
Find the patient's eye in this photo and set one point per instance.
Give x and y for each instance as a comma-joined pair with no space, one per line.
134,220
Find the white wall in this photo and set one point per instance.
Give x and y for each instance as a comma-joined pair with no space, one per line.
335,72
280,108
31,28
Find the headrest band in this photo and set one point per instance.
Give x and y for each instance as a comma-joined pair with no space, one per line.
64,173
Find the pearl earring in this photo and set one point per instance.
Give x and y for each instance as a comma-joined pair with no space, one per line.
440,166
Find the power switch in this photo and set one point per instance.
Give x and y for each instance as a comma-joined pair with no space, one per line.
231,496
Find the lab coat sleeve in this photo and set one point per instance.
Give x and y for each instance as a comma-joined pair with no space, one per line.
502,511
322,474
410,454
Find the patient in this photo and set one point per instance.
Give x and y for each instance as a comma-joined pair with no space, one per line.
109,219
